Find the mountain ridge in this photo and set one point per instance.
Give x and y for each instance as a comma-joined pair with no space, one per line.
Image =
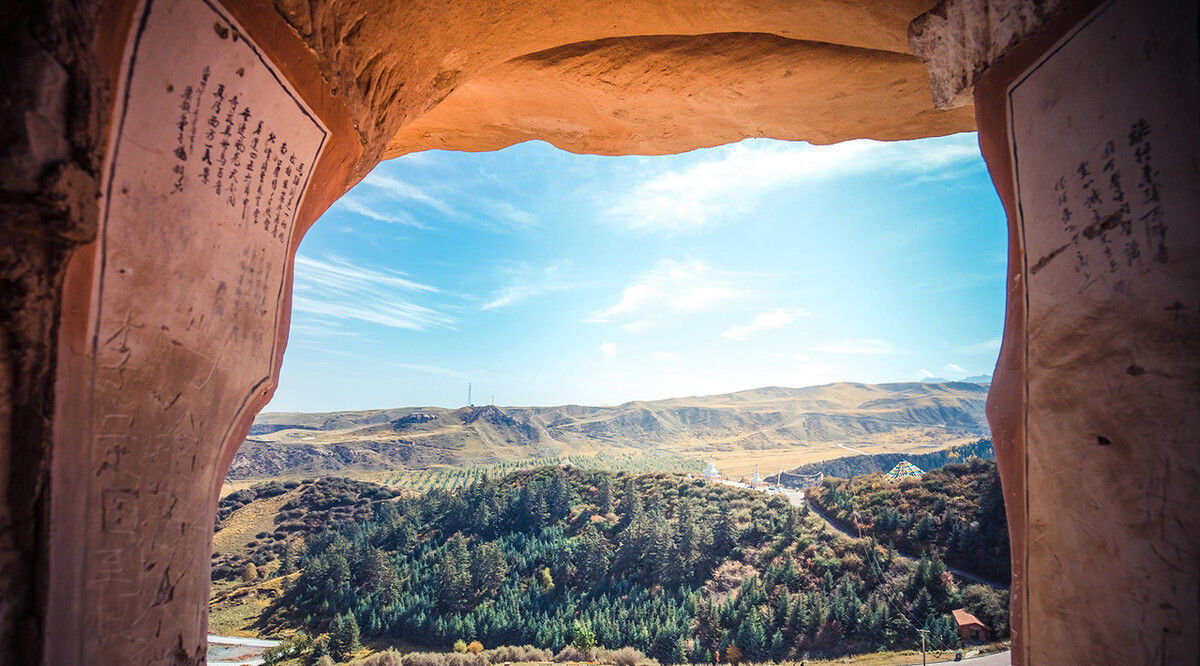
772,425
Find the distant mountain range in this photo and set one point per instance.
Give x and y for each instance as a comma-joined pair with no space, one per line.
776,427
973,379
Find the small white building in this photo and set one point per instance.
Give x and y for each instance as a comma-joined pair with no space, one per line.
711,473
757,481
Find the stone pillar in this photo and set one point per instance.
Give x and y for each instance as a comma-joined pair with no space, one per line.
223,148
1087,118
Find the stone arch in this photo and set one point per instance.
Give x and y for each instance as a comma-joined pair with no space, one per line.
134,358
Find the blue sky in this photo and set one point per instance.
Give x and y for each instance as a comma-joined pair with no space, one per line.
545,277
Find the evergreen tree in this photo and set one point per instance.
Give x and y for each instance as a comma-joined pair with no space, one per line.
790,524
686,547
343,637
605,500
631,502
779,647
455,573
558,495
593,555
725,532
488,569
501,583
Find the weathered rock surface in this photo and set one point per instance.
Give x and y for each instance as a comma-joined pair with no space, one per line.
615,77
660,94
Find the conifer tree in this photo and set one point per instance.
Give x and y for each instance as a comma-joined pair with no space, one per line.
343,637
558,495
605,499
725,532
592,556
631,501
455,573
686,546
488,569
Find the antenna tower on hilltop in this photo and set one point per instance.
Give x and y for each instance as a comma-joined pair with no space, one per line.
469,395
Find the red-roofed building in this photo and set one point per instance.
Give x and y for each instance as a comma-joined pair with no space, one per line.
970,628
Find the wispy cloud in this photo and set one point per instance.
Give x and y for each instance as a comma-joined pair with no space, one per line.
376,213
671,287
666,356
924,374
334,289
737,176
952,367
517,217
526,282
777,318
608,349
386,196
339,274
403,190
861,346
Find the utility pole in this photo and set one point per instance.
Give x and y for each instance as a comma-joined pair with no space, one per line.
922,632
469,394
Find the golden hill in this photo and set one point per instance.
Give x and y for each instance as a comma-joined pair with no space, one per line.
775,427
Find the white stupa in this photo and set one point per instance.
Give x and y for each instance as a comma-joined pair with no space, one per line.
757,481
711,473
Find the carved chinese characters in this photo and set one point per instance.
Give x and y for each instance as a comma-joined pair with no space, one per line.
1106,153
211,155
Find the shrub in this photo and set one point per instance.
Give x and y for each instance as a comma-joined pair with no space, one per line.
570,653
443,659
516,653
733,655
626,656
423,659
460,646
474,647
388,657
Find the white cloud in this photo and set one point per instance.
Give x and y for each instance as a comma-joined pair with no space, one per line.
355,206
671,287
609,349
525,282
862,346
738,176
519,217
339,274
924,374
777,318
666,356
401,190
951,367
335,289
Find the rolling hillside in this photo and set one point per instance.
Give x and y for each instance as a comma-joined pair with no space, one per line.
774,427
